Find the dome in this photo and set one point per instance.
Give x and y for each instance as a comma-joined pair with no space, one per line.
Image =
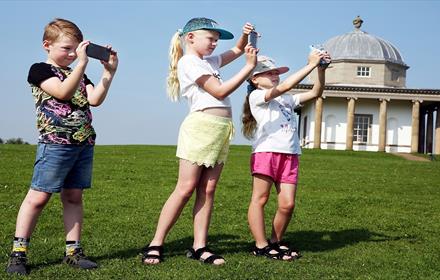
360,45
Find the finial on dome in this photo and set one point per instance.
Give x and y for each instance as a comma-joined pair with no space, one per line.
357,22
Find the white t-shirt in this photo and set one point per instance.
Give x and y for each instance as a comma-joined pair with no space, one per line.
189,69
277,128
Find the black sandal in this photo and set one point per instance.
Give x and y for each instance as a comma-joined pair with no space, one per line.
289,251
197,255
266,252
147,256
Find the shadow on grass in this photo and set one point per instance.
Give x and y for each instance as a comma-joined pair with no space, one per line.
311,241
222,243
319,241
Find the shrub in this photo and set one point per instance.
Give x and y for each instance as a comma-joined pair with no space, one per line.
16,141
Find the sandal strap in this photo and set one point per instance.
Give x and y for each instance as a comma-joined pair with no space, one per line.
287,251
197,254
265,252
155,248
146,253
212,258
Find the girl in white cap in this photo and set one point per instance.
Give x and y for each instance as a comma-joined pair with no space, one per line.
269,120
205,133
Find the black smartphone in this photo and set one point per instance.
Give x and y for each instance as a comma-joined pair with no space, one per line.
253,36
98,52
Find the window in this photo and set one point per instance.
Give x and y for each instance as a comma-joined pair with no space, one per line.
394,75
361,128
304,136
363,71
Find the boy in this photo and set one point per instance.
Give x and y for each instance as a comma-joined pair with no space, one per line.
63,164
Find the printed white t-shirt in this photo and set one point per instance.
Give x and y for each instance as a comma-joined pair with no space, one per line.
277,128
189,69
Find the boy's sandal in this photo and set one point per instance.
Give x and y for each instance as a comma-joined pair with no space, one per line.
146,254
267,252
197,255
287,250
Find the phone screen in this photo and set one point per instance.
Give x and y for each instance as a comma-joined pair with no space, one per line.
98,52
253,39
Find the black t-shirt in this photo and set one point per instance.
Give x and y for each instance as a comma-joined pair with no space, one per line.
40,72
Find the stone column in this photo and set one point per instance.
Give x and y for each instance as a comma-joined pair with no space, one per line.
318,123
429,131
415,126
382,125
437,132
422,130
350,121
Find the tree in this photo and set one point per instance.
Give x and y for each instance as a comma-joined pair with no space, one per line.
16,141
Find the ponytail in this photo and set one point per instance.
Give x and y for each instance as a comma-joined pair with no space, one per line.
248,121
176,52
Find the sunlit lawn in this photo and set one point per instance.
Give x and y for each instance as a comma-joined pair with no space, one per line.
359,215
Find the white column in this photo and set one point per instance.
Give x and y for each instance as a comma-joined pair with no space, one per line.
415,126
318,123
382,124
437,132
350,121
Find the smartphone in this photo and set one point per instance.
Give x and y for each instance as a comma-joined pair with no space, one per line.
324,63
253,36
98,52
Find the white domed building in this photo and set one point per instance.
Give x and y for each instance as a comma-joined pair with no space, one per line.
365,104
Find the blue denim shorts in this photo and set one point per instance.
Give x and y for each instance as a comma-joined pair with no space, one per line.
60,166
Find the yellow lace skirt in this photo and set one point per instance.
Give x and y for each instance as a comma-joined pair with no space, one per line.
204,139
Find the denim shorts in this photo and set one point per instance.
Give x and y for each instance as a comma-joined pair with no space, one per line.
60,166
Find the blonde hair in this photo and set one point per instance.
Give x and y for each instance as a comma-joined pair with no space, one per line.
59,27
249,123
176,52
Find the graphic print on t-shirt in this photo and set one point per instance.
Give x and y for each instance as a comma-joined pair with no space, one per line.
217,75
286,110
61,121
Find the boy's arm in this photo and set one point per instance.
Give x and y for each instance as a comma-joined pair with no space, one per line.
96,95
238,49
64,90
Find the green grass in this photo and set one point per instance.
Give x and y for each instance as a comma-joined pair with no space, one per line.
359,215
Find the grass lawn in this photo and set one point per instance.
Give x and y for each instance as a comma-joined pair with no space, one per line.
359,215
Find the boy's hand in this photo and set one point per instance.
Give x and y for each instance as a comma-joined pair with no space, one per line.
113,61
81,52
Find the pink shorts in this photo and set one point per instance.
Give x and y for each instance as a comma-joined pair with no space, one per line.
282,168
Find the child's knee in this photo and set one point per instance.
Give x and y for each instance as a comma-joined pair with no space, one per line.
36,201
185,190
286,207
210,189
260,200
71,196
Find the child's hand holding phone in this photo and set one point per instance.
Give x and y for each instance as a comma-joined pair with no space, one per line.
98,52
325,61
253,37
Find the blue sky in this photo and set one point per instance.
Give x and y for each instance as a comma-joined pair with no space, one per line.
137,110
